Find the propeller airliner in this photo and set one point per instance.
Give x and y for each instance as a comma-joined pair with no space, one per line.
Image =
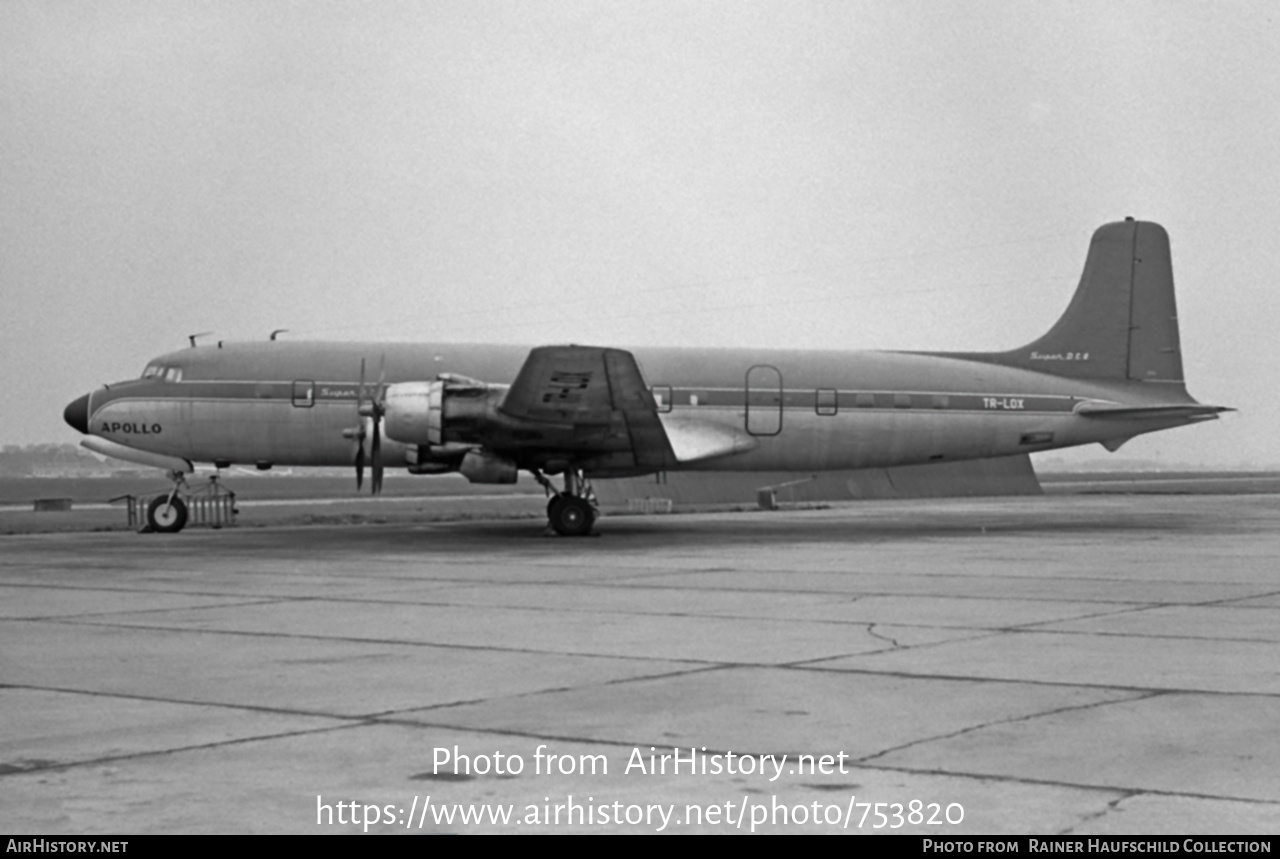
1108,370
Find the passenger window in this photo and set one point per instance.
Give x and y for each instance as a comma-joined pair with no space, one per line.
304,394
864,401
902,401
662,397
825,402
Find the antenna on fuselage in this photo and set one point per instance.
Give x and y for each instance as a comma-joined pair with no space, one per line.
192,337
278,331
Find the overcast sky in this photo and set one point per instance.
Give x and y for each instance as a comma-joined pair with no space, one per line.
838,175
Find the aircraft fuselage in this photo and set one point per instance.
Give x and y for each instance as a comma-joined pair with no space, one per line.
290,403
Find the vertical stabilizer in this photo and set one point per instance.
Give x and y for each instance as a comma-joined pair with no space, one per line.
1121,324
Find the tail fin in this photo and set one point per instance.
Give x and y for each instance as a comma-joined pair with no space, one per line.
1121,324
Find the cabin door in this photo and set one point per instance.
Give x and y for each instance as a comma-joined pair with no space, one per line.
764,400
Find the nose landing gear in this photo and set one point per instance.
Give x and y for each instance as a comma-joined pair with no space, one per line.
210,504
167,514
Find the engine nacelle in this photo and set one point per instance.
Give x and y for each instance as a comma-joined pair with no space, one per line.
412,412
445,411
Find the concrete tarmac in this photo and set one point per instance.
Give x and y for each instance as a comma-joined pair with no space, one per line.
1078,664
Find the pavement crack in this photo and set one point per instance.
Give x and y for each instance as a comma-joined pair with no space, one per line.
39,766
871,630
388,716
1101,813
1013,720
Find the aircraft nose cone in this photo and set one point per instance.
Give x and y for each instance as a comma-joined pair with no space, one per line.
77,414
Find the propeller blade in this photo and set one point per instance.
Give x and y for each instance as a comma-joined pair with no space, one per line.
359,431
360,466
375,485
373,411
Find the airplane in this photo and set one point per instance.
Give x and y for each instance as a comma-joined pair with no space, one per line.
1108,370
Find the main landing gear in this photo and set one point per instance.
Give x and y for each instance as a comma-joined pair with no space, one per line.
570,513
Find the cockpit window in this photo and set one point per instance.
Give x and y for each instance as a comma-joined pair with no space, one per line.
160,372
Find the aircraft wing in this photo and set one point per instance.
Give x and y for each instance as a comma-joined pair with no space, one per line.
601,394
577,384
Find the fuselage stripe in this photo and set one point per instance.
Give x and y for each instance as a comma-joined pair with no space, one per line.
825,401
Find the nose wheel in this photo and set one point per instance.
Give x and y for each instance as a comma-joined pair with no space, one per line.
166,514
571,513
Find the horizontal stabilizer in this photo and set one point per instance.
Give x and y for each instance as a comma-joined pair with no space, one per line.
693,439
1179,410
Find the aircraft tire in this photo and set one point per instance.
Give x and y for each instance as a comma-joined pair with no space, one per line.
166,517
570,516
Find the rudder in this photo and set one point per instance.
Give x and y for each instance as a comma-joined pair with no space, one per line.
1155,350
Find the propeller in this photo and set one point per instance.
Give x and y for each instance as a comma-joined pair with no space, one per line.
371,412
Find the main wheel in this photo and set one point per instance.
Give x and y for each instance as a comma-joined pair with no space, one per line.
571,516
165,516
